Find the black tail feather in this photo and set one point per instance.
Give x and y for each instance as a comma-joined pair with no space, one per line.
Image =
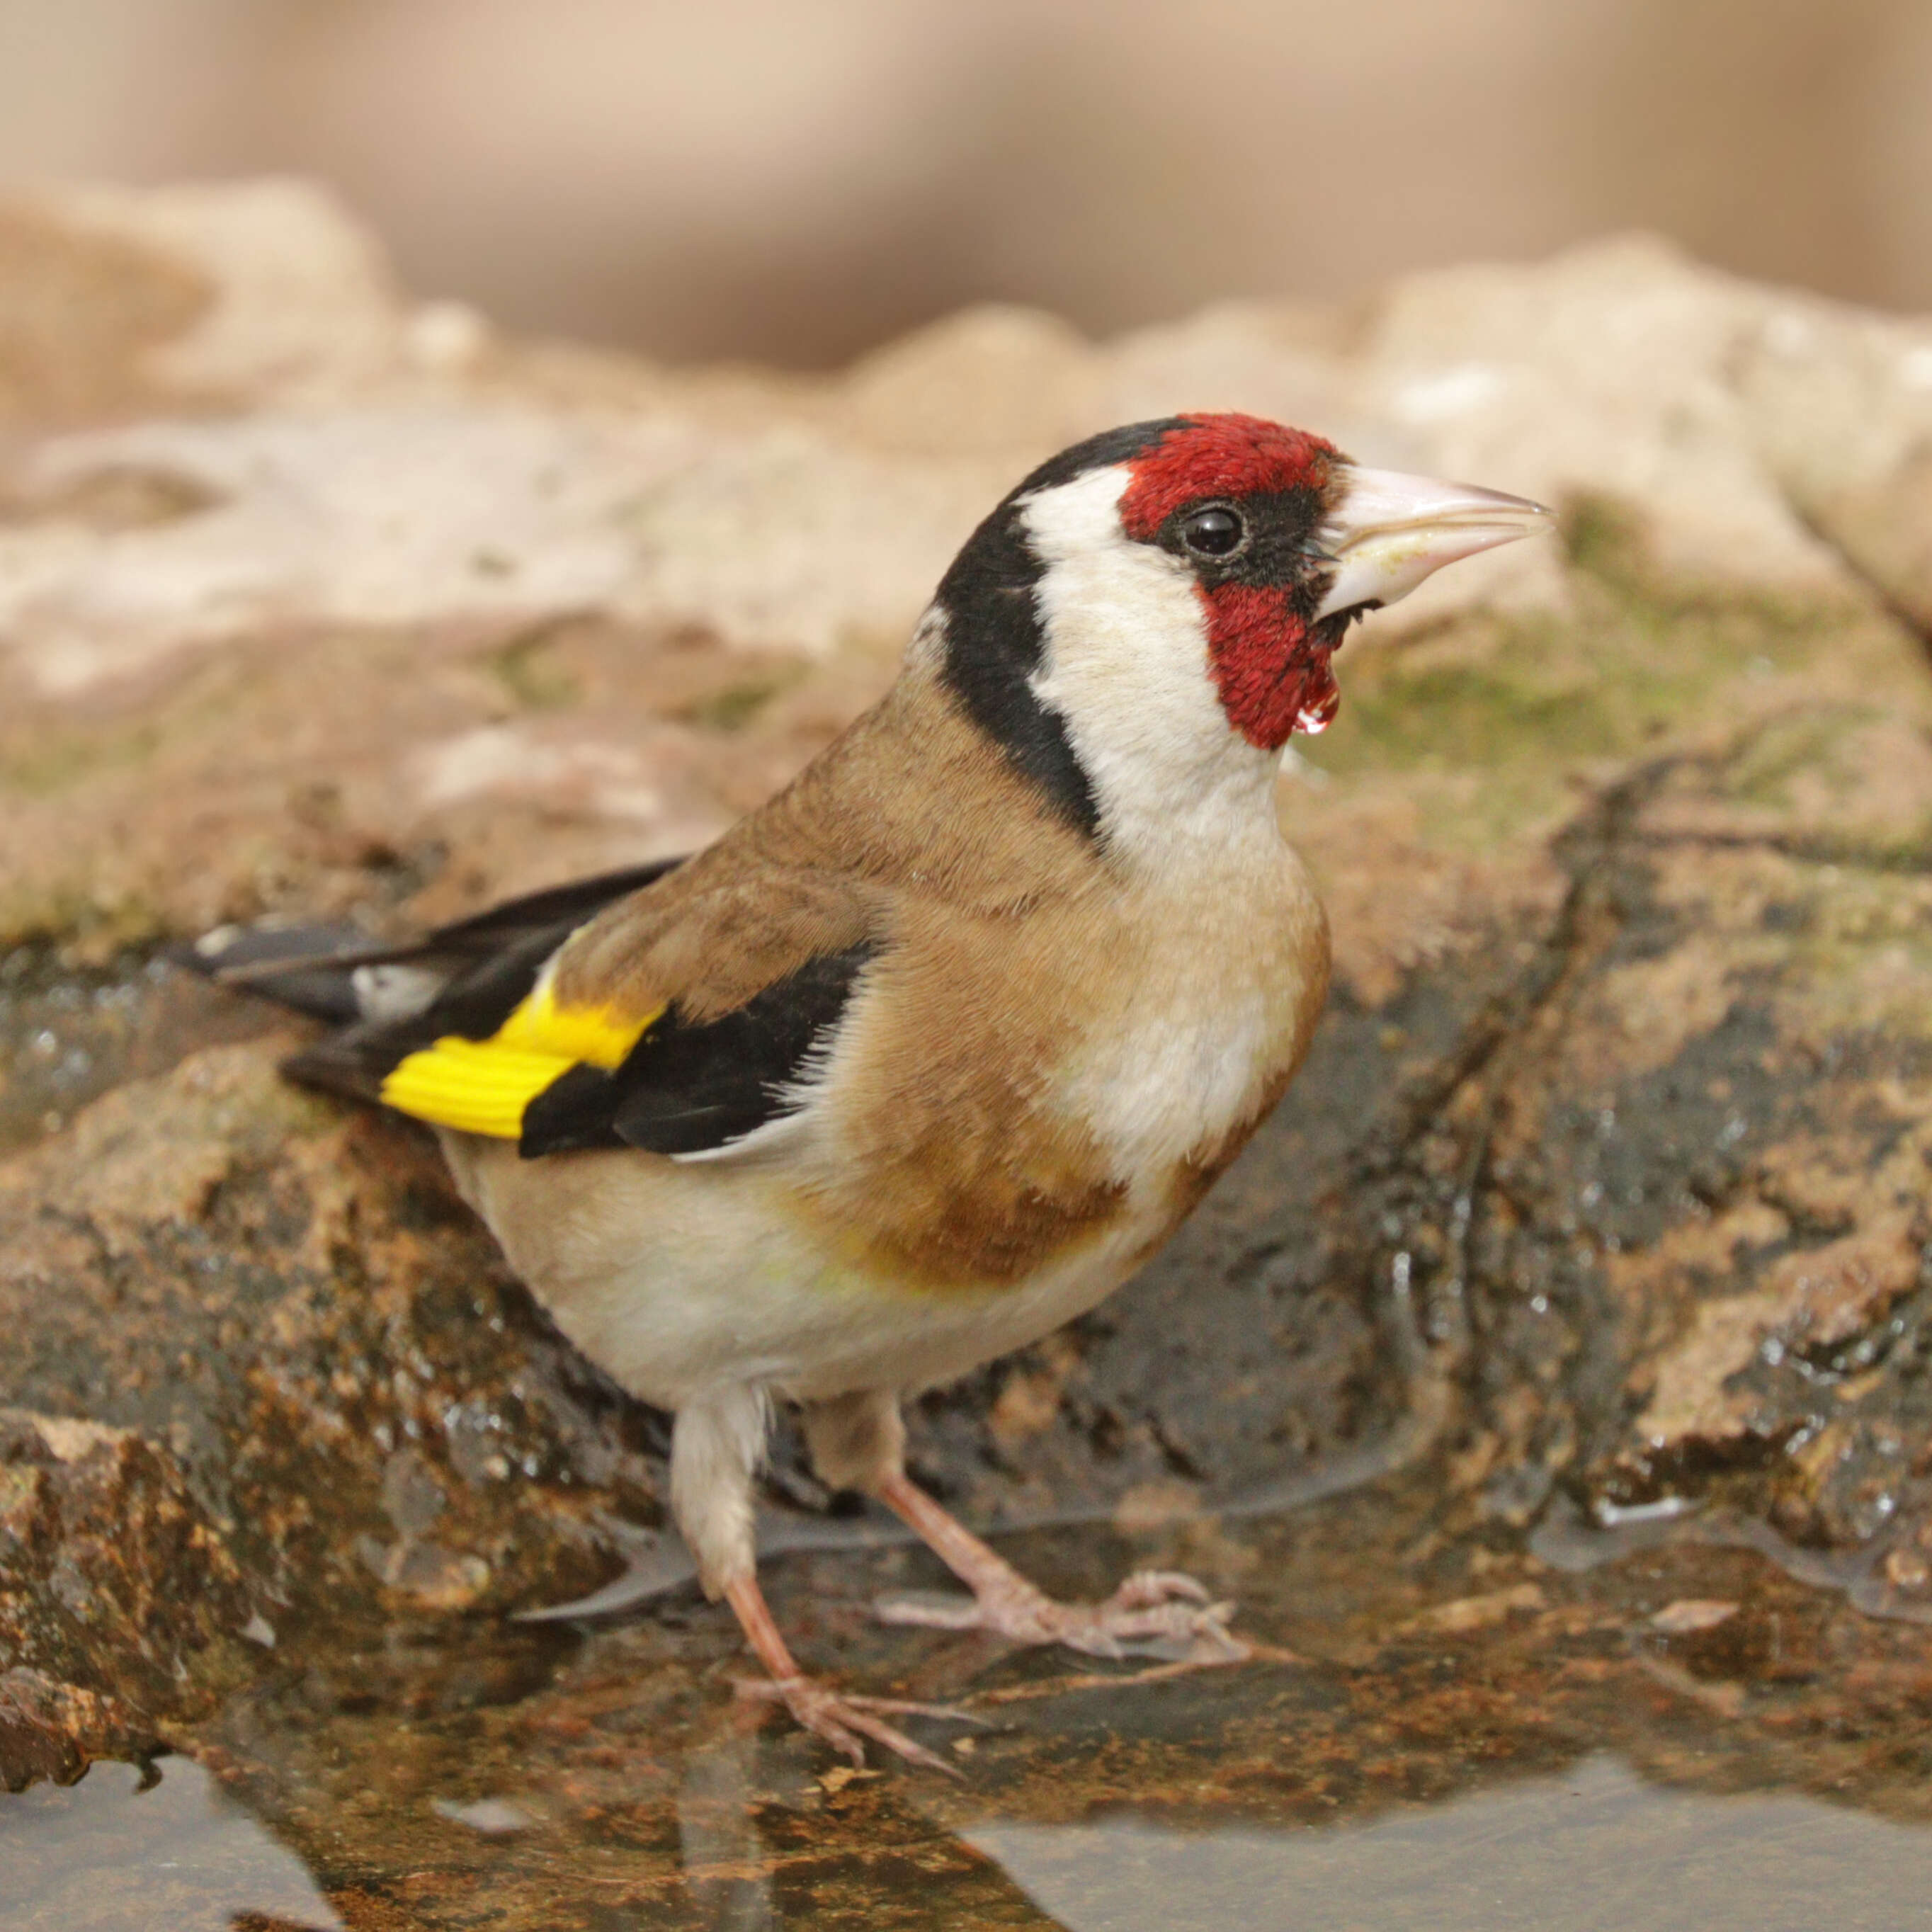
486,964
308,967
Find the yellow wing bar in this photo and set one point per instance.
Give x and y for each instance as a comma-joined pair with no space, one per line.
483,1086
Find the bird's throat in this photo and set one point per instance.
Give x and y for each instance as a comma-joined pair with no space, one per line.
1271,667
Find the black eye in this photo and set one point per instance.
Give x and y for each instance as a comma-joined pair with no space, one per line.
1216,533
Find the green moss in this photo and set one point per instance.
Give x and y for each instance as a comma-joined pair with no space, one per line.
1605,542
1864,958
733,706
1454,715
85,928
1490,721
527,668
1521,702
1603,538
42,762
55,764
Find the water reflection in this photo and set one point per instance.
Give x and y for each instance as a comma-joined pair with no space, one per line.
722,1852
1596,1849
1463,1737
106,1855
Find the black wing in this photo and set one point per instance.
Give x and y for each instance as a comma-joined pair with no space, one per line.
686,1086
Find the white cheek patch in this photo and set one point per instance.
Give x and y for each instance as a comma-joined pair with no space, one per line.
1126,666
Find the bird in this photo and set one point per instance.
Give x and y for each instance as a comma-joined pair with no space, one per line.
931,1051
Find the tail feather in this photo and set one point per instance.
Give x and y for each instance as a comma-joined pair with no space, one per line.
309,967
388,1001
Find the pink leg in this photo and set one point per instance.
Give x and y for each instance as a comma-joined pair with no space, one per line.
835,1716
1157,1609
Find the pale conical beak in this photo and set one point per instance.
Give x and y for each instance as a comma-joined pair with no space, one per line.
1392,531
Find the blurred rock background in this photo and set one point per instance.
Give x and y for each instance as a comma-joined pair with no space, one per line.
794,183
332,581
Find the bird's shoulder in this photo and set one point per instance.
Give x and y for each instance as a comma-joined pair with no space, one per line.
680,1018
912,817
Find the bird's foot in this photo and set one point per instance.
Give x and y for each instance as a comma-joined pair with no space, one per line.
842,1718
1153,1613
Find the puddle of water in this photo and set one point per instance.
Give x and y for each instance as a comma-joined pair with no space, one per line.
1597,1850
1463,1737
104,1856
67,1038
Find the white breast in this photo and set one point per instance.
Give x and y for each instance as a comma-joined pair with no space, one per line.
1214,1008
1152,1093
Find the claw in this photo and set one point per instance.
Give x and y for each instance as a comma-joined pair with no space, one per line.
839,1717
1160,1611
1146,1587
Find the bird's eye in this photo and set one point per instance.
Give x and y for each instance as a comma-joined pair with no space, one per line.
1215,532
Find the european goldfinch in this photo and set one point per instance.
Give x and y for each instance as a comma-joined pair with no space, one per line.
931,1052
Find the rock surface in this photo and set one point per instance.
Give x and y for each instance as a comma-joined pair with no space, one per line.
1603,1193
116,1591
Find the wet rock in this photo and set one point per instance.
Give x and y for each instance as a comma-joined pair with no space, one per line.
54,1730
564,1781
111,1573
1601,1191
290,1300
120,1605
